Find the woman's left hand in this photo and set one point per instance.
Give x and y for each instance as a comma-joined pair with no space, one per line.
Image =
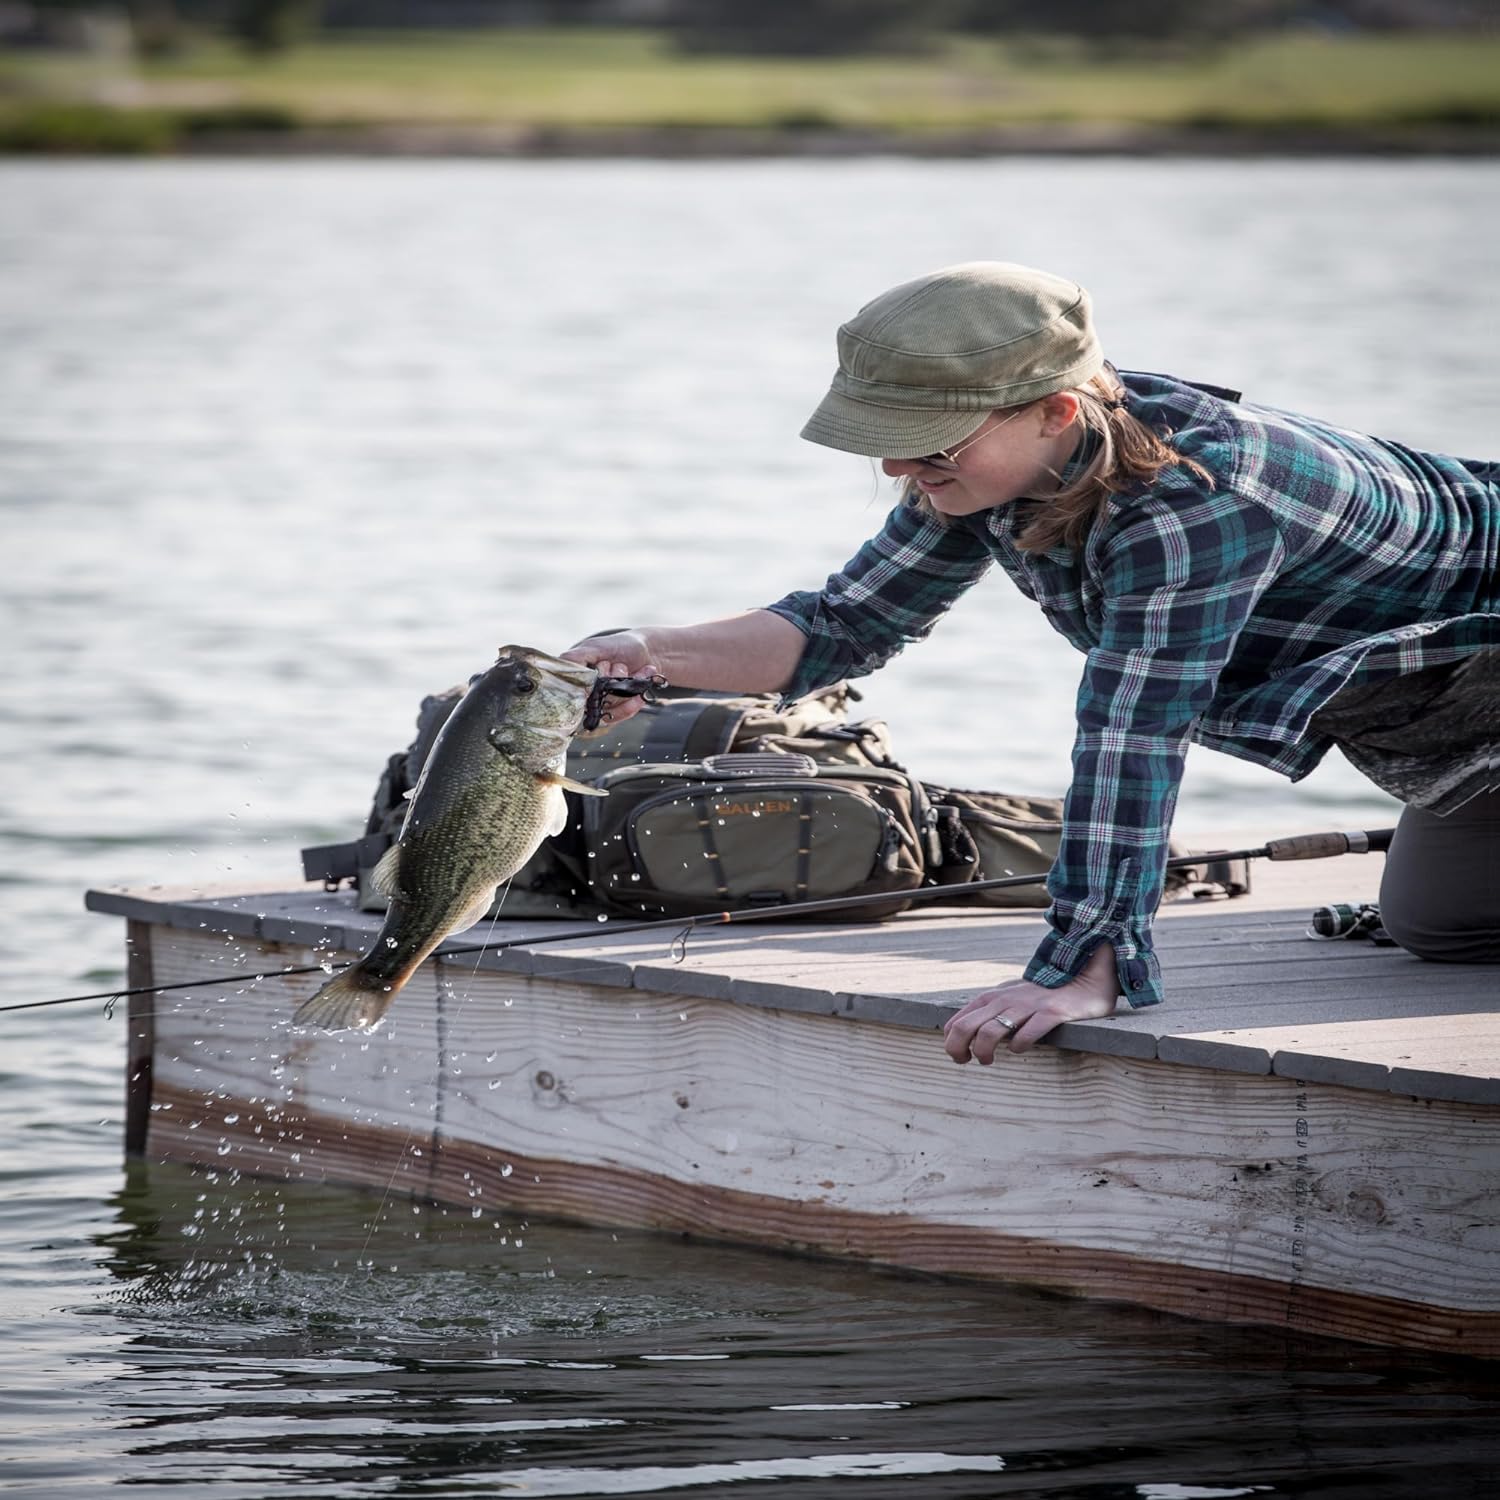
975,1031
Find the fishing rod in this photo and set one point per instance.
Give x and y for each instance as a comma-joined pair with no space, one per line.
1299,846
1302,846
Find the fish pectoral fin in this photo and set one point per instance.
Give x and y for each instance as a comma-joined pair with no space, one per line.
386,876
474,911
558,820
556,778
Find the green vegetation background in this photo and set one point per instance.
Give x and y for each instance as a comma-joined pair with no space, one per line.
592,80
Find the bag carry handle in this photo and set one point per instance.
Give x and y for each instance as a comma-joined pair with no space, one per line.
760,763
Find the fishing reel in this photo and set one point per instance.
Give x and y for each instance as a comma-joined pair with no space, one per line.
1346,919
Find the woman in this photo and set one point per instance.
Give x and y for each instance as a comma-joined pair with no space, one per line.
1247,578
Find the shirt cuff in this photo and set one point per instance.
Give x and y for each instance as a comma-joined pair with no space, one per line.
802,679
1060,960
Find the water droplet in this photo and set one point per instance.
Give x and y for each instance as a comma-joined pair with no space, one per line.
506,1170
231,1119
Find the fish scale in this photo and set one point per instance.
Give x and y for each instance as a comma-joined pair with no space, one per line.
491,791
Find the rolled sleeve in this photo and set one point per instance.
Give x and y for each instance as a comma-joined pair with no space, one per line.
1179,583
891,592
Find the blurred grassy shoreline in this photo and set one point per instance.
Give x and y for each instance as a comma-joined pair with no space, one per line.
598,91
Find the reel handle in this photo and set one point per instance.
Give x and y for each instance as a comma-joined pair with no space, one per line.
1325,845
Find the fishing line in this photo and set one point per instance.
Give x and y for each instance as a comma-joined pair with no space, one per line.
187,984
1298,847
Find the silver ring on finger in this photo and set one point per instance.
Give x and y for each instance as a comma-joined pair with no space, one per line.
1009,1025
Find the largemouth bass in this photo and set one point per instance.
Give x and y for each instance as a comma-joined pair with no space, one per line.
490,792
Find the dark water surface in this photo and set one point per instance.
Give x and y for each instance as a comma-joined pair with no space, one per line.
254,1339
284,447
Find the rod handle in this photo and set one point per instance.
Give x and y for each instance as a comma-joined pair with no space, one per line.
1324,845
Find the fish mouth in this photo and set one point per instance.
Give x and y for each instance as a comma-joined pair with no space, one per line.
568,681
554,669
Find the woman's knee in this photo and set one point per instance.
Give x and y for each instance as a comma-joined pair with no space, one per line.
1431,933
1440,896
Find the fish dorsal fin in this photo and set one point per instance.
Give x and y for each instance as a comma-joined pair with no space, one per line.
556,778
386,876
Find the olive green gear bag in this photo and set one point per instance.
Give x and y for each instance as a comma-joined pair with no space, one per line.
720,801
754,828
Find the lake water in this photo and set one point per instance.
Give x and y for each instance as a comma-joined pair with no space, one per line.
283,447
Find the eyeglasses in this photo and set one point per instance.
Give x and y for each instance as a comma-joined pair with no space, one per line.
946,459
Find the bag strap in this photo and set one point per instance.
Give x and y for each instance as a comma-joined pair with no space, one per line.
714,729
804,846
681,728
710,846
332,863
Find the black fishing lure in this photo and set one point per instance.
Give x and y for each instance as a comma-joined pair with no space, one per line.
594,710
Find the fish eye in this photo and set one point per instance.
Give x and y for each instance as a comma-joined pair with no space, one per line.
525,685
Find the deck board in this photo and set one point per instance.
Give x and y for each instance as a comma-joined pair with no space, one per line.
1247,991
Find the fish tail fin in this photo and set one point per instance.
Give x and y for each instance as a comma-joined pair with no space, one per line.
354,1000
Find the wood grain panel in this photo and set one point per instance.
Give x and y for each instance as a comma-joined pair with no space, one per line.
504,1181
228,1047
1187,1165
1240,1198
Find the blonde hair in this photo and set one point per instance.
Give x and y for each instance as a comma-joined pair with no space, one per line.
1126,453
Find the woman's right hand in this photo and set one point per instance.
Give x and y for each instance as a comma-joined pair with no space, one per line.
621,653
755,651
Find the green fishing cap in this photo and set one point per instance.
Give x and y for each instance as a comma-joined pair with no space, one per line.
925,363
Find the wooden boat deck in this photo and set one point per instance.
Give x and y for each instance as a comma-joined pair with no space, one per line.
1249,991
1307,1133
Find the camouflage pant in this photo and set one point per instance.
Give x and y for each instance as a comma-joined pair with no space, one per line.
1431,739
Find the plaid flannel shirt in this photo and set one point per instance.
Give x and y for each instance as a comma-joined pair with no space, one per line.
1224,613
